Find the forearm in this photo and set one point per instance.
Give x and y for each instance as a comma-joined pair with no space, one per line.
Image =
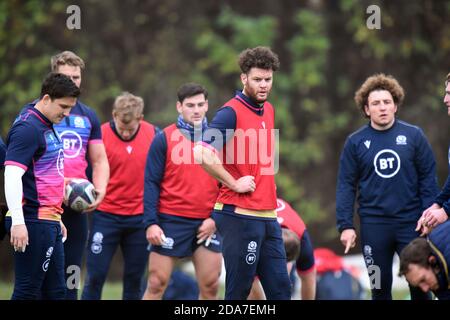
151,201
211,163
14,193
100,175
308,290
100,166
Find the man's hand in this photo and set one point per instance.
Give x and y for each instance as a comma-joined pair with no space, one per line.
430,219
206,231
426,212
245,184
63,231
19,237
100,195
348,239
155,235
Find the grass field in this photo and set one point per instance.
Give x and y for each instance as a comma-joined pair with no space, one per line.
113,291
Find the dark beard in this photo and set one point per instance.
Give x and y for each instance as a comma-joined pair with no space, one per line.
253,97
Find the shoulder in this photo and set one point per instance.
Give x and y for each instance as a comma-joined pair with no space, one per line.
268,105
408,126
411,130
159,142
224,115
25,122
25,130
83,109
358,134
147,125
169,128
105,126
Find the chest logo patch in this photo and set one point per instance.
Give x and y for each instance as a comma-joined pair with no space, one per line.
72,143
386,163
79,122
401,140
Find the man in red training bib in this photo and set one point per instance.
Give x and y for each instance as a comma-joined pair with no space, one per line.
179,197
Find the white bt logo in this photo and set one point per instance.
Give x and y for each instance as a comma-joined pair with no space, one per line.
386,163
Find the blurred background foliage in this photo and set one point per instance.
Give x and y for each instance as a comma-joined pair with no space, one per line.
326,50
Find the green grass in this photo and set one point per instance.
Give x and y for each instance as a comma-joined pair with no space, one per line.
111,291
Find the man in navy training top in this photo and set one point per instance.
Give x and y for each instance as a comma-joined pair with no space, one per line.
390,165
82,141
440,210
244,134
34,188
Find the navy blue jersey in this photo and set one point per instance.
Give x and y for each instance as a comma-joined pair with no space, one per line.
443,198
77,131
34,145
393,171
439,240
2,152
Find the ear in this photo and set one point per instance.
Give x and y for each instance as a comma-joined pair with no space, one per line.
179,107
244,78
46,99
432,260
366,110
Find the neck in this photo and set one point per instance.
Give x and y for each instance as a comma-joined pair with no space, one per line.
382,128
248,96
40,107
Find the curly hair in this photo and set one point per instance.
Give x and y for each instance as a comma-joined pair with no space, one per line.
258,57
379,81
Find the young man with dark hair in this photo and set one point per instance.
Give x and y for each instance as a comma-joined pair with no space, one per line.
439,211
424,262
118,220
178,198
82,142
34,188
390,165
244,213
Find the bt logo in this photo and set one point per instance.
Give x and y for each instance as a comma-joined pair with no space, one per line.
386,163
72,143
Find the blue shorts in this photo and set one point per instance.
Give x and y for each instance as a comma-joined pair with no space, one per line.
181,234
